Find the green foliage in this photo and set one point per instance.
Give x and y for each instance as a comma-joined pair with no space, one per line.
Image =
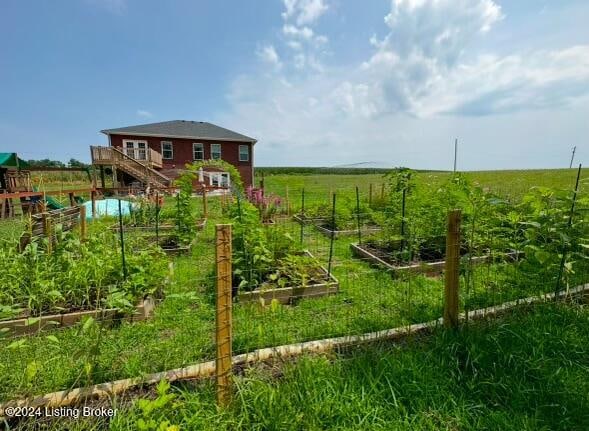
236,180
264,257
184,216
77,274
152,412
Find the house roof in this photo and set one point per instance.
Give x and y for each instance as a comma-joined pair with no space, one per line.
182,129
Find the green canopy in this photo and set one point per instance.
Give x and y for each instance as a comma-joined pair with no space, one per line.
11,160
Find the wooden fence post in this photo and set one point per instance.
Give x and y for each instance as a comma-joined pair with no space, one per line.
370,196
452,271
82,222
223,308
72,199
47,231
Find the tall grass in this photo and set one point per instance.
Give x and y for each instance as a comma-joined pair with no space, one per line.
527,371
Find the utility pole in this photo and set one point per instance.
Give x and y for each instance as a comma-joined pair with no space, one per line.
455,153
573,156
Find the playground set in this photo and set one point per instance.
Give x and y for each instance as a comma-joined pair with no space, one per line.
108,176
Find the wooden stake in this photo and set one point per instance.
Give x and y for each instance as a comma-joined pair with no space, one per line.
83,222
224,303
72,199
204,203
102,180
452,274
47,231
370,196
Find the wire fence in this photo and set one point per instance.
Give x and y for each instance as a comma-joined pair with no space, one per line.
305,264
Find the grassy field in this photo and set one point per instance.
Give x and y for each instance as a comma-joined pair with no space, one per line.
512,184
181,333
526,371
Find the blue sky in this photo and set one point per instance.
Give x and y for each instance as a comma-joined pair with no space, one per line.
318,82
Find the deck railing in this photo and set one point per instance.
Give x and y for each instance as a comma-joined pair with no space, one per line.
140,169
108,155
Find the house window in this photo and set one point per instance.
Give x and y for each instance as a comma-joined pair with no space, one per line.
244,153
135,149
198,151
215,151
167,150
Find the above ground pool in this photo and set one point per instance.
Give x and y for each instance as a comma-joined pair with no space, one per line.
108,207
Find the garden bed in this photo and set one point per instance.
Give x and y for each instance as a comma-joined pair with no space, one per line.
30,325
325,230
288,295
172,246
302,219
434,268
200,224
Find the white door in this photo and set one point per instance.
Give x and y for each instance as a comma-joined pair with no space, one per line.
221,179
136,149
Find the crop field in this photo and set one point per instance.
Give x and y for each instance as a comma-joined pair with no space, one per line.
375,240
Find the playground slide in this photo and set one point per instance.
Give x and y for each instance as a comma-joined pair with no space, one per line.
52,203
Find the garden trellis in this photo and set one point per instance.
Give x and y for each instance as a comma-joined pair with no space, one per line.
334,298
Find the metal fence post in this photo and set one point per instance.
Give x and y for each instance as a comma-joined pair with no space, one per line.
122,238
205,209
302,215
223,314
93,198
358,216
332,237
569,225
452,272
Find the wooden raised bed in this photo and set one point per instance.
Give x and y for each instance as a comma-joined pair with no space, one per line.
338,233
288,295
31,325
302,219
434,268
174,249
200,224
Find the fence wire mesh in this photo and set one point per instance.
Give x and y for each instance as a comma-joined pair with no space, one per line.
309,262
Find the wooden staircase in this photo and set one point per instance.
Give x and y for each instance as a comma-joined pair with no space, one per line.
142,170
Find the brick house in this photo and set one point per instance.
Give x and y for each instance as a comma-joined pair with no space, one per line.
156,153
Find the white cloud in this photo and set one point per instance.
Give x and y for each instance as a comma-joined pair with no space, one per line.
299,32
421,81
304,11
143,113
269,55
420,66
299,16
